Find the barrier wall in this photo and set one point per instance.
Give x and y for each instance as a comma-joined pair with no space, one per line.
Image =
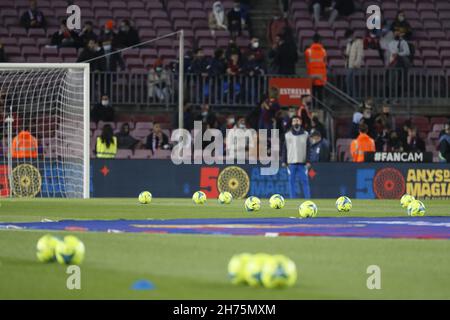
126,178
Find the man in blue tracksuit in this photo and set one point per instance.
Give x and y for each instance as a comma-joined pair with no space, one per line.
295,156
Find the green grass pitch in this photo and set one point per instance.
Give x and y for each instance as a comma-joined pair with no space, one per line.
194,266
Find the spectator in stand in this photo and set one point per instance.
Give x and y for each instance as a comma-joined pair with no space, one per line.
199,64
331,8
93,51
316,125
372,41
65,37
218,64
108,39
234,65
403,132
394,143
127,35
316,65
206,116
232,48
125,140
354,58
33,17
386,118
414,142
157,139
87,33
269,110
233,146
254,48
106,146
284,55
236,21
2,53
158,82
356,120
363,143
444,144
103,111
401,25
276,27
234,69
217,19
319,148
381,135
228,124
369,119
399,51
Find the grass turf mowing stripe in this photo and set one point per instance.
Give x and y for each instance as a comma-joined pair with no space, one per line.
391,227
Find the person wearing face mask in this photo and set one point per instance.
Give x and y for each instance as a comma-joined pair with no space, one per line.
217,19
363,143
296,157
233,145
108,40
354,57
235,20
127,35
87,33
206,116
103,111
400,24
158,82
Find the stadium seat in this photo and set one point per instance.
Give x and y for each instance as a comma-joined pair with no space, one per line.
124,154
142,154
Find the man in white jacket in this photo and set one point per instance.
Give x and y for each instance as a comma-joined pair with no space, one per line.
354,57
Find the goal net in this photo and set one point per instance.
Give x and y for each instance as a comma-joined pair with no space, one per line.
45,130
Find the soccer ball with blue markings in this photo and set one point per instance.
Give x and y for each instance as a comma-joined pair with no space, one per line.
252,204
343,204
308,209
416,209
279,272
225,197
276,201
70,251
145,197
405,200
199,197
45,248
236,268
254,268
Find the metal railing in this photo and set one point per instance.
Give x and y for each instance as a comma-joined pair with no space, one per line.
412,87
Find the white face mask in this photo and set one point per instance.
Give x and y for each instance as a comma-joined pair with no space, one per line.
107,47
255,45
291,114
241,126
230,121
105,103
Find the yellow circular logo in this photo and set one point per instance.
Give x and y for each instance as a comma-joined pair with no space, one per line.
26,181
234,180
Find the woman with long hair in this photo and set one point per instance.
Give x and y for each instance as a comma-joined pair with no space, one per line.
106,146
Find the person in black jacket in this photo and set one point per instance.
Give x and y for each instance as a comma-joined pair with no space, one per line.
87,33
127,35
235,20
413,142
103,111
157,139
33,17
319,148
92,51
284,55
65,37
2,54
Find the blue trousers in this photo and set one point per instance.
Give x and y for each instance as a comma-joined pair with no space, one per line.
298,171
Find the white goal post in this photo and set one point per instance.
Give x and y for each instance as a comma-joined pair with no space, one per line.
44,108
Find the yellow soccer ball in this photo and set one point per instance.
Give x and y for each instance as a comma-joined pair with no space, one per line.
344,204
416,209
145,197
45,248
254,267
405,200
199,197
279,272
252,204
237,266
276,201
70,251
307,209
225,197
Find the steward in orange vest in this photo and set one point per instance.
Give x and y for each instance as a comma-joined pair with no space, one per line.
24,145
363,143
316,62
